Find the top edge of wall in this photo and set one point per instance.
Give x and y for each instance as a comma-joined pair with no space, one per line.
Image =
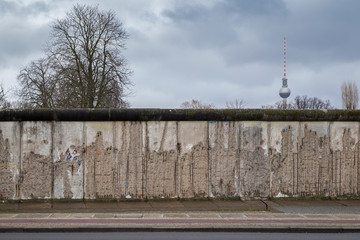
177,115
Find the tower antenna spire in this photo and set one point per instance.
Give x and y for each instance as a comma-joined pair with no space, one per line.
284,91
284,57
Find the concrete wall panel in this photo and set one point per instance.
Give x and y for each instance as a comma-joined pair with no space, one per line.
161,160
254,162
69,149
131,160
167,159
345,160
224,157
9,160
283,149
99,160
36,175
193,159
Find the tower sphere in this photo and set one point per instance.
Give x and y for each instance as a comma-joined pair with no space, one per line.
284,92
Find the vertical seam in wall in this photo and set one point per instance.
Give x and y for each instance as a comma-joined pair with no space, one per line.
114,151
331,164
177,164
241,180
356,168
84,158
208,158
52,163
268,135
20,160
146,159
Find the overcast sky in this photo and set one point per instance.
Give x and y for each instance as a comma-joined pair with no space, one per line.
212,50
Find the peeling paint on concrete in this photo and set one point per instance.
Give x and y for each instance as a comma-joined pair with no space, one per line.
68,160
186,159
36,161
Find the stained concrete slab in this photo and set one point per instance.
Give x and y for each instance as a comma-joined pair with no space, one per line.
169,204
9,206
101,205
306,203
249,205
199,204
30,205
134,205
68,205
355,203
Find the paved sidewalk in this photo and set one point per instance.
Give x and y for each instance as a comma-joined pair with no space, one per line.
132,206
183,216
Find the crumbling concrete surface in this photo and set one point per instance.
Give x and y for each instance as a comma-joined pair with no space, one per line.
185,159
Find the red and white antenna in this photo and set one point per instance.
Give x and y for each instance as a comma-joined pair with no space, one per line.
284,91
284,57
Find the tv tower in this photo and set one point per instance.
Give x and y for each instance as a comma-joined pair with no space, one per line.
284,91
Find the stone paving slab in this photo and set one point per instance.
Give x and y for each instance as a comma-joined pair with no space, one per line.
32,215
232,215
152,215
82,215
318,215
104,215
129,215
175,215
306,203
192,215
60,215
4,215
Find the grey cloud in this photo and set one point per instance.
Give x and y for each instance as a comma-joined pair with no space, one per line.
21,10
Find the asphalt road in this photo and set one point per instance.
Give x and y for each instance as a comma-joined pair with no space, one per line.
179,236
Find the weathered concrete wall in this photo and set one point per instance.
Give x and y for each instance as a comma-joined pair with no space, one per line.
186,159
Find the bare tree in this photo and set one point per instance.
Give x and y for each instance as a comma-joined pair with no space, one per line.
196,104
4,103
87,67
302,102
237,104
278,105
38,84
349,95
305,102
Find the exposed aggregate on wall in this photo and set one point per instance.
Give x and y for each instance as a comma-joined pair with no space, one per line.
185,159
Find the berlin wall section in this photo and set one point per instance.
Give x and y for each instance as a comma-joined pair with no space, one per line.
185,159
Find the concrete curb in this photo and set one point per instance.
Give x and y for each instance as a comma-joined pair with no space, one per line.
184,229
